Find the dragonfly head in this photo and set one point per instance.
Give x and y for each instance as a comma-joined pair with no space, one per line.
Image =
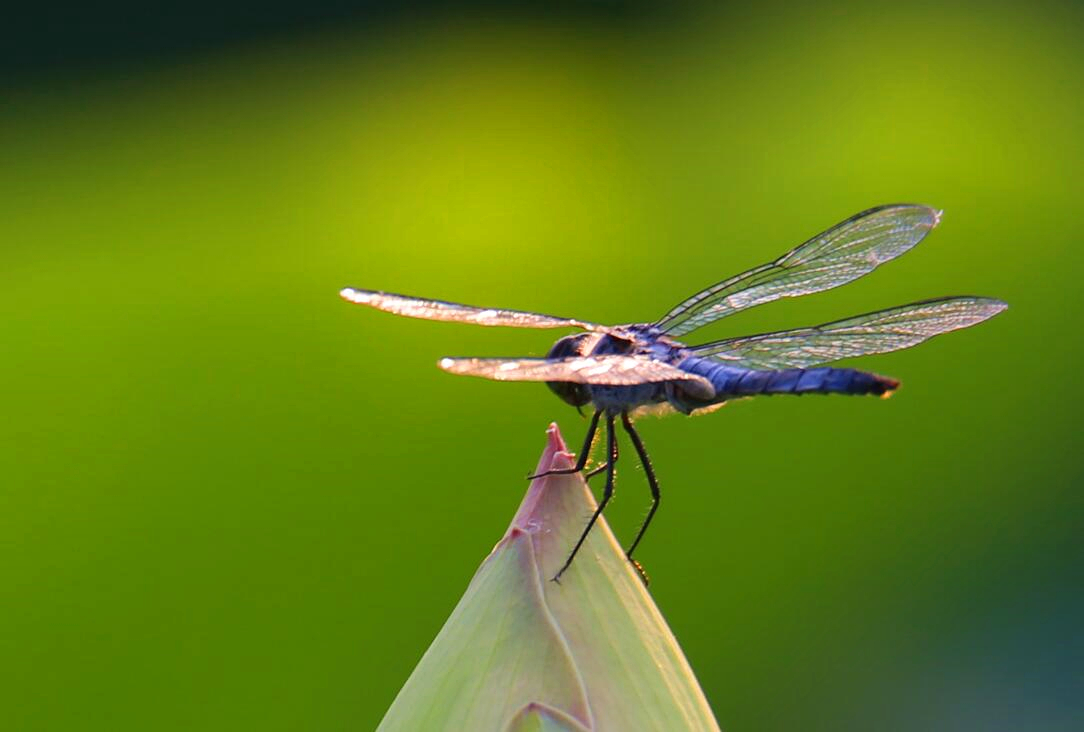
569,347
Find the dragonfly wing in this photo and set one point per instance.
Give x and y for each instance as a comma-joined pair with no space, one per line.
419,307
879,332
598,370
840,255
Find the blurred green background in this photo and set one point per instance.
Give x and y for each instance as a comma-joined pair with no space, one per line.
231,501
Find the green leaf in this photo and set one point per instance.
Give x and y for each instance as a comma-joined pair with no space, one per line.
520,652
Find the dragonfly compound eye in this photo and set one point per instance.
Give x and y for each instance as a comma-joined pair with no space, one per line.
569,347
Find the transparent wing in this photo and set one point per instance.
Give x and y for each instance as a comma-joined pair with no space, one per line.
419,307
600,370
840,255
880,332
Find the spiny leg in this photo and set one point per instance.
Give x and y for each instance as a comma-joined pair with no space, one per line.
591,474
585,452
607,493
612,459
651,481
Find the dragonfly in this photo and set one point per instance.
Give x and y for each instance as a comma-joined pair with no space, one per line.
621,369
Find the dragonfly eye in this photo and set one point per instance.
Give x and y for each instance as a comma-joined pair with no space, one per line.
570,347
574,394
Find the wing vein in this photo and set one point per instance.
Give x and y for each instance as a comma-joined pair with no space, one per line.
419,307
878,332
609,370
835,257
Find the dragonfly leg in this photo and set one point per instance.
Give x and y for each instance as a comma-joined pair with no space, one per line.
651,481
613,459
607,494
585,452
591,474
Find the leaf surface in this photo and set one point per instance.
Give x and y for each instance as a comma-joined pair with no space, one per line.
521,652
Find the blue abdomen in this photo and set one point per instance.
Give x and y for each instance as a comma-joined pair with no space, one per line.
733,381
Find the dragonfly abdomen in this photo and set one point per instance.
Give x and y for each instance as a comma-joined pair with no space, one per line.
821,380
733,381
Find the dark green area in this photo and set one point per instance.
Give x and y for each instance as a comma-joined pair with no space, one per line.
232,501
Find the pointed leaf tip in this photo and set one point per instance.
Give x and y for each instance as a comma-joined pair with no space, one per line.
555,447
523,654
553,432
555,456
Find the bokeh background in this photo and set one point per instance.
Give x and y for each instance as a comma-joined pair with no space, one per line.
231,501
